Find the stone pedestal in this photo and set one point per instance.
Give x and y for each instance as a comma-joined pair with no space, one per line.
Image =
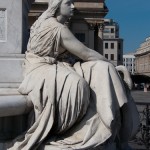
11,73
11,39
14,36
13,42
10,26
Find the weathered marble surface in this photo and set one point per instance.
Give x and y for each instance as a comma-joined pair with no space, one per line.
15,25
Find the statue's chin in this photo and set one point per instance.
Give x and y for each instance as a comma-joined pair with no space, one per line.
72,13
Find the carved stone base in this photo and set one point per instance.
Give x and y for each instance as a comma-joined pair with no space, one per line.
13,113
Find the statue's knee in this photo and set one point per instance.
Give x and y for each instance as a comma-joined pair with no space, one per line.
83,85
104,64
108,64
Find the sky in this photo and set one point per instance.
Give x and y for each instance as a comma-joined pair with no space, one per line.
133,17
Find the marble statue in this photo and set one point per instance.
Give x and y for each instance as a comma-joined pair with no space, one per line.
76,106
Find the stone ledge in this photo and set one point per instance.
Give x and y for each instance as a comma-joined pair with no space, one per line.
12,103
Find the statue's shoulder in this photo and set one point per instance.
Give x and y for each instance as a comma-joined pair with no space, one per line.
52,23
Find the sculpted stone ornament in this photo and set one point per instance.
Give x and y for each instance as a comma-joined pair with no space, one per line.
80,106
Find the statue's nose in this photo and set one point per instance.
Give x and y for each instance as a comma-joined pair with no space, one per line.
72,6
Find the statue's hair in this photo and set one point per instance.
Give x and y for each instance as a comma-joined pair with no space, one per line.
53,6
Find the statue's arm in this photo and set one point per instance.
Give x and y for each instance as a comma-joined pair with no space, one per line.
73,45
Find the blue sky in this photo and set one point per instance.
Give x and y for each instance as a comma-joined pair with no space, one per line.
133,17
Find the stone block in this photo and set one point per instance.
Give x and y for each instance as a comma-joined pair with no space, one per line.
12,103
14,108
11,26
11,73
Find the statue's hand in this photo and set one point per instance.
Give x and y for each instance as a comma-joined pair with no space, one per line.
126,76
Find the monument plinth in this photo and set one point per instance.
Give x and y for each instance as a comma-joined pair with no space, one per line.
10,26
11,40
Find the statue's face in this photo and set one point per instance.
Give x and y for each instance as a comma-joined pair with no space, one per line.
67,8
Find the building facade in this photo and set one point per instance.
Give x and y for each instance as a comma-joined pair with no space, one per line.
143,58
112,43
129,62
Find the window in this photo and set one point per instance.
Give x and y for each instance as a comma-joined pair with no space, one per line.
119,57
112,57
80,37
112,30
119,45
112,45
106,56
106,45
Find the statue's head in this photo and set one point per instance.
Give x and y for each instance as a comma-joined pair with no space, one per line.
63,7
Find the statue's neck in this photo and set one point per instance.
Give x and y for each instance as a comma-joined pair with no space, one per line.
62,19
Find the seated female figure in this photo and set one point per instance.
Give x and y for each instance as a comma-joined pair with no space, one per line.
75,107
